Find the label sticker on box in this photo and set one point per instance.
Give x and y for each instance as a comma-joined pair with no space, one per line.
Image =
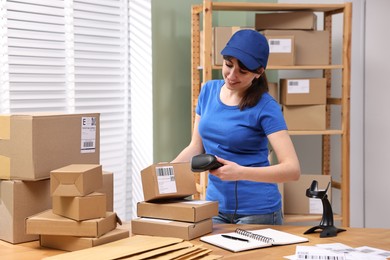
279,45
301,86
166,179
315,206
88,134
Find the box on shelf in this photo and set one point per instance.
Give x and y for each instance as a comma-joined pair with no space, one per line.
305,117
108,189
273,90
168,181
76,180
19,200
72,243
80,207
48,223
33,145
170,228
311,47
179,210
295,199
301,20
304,91
281,50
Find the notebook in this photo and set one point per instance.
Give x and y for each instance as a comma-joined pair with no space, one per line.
242,240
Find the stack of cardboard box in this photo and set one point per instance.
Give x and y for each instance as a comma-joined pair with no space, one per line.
31,145
167,209
79,217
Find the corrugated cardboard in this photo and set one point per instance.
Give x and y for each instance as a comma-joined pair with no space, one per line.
71,243
169,228
273,90
167,181
286,21
179,210
76,180
281,50
81,208
48,223
19,200
305,117
303,91
295,199
220,37
33,145
108,189
311,47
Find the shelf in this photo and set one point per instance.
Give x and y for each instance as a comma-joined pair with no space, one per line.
316,132
292,218
303,67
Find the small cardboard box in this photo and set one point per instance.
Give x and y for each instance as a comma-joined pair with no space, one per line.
108,189
310,47
301,20
295,199
81,208
33,145
281,50
170,228
48,223
179,210
305,91
72,243
305,117
19,200
168,181
76,180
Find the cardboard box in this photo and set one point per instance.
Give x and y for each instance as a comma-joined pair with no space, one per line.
169,228
310,48
306,117
168,181
108,189
19,200
48,223
72,243
33,145
295,199
301,20
273,90
76,180
308,91
81,208
179,210
281,50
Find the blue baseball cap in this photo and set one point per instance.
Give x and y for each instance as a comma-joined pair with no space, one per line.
248,46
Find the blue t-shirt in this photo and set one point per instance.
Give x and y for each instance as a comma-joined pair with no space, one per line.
239,136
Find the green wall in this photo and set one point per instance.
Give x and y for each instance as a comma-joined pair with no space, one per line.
171,47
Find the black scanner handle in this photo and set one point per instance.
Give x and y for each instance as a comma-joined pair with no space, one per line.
204,162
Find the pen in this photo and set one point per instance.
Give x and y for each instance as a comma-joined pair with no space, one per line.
235,238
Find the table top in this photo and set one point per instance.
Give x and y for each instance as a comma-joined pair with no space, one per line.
354,237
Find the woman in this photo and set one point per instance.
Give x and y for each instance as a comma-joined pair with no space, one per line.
236,120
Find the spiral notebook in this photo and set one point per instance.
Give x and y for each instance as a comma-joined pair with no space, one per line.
242,240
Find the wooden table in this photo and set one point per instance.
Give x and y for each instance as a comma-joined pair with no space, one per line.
354,237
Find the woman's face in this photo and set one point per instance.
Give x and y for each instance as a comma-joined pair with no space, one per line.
235,77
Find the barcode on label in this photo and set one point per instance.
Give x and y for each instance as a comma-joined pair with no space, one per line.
165,171
302,255
274,42
293,83
88,144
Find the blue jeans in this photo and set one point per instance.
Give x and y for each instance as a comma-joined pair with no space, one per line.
275,218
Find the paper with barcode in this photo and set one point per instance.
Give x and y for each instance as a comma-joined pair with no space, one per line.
88,134
166,179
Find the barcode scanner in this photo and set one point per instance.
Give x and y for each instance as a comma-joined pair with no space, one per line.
204,162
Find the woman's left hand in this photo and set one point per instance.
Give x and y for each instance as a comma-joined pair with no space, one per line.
230,171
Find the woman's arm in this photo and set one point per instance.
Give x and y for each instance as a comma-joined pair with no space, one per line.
194,148
287,168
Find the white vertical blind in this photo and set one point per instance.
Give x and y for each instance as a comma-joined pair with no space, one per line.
73,56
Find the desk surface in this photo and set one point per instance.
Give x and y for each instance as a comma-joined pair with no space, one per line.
354,237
